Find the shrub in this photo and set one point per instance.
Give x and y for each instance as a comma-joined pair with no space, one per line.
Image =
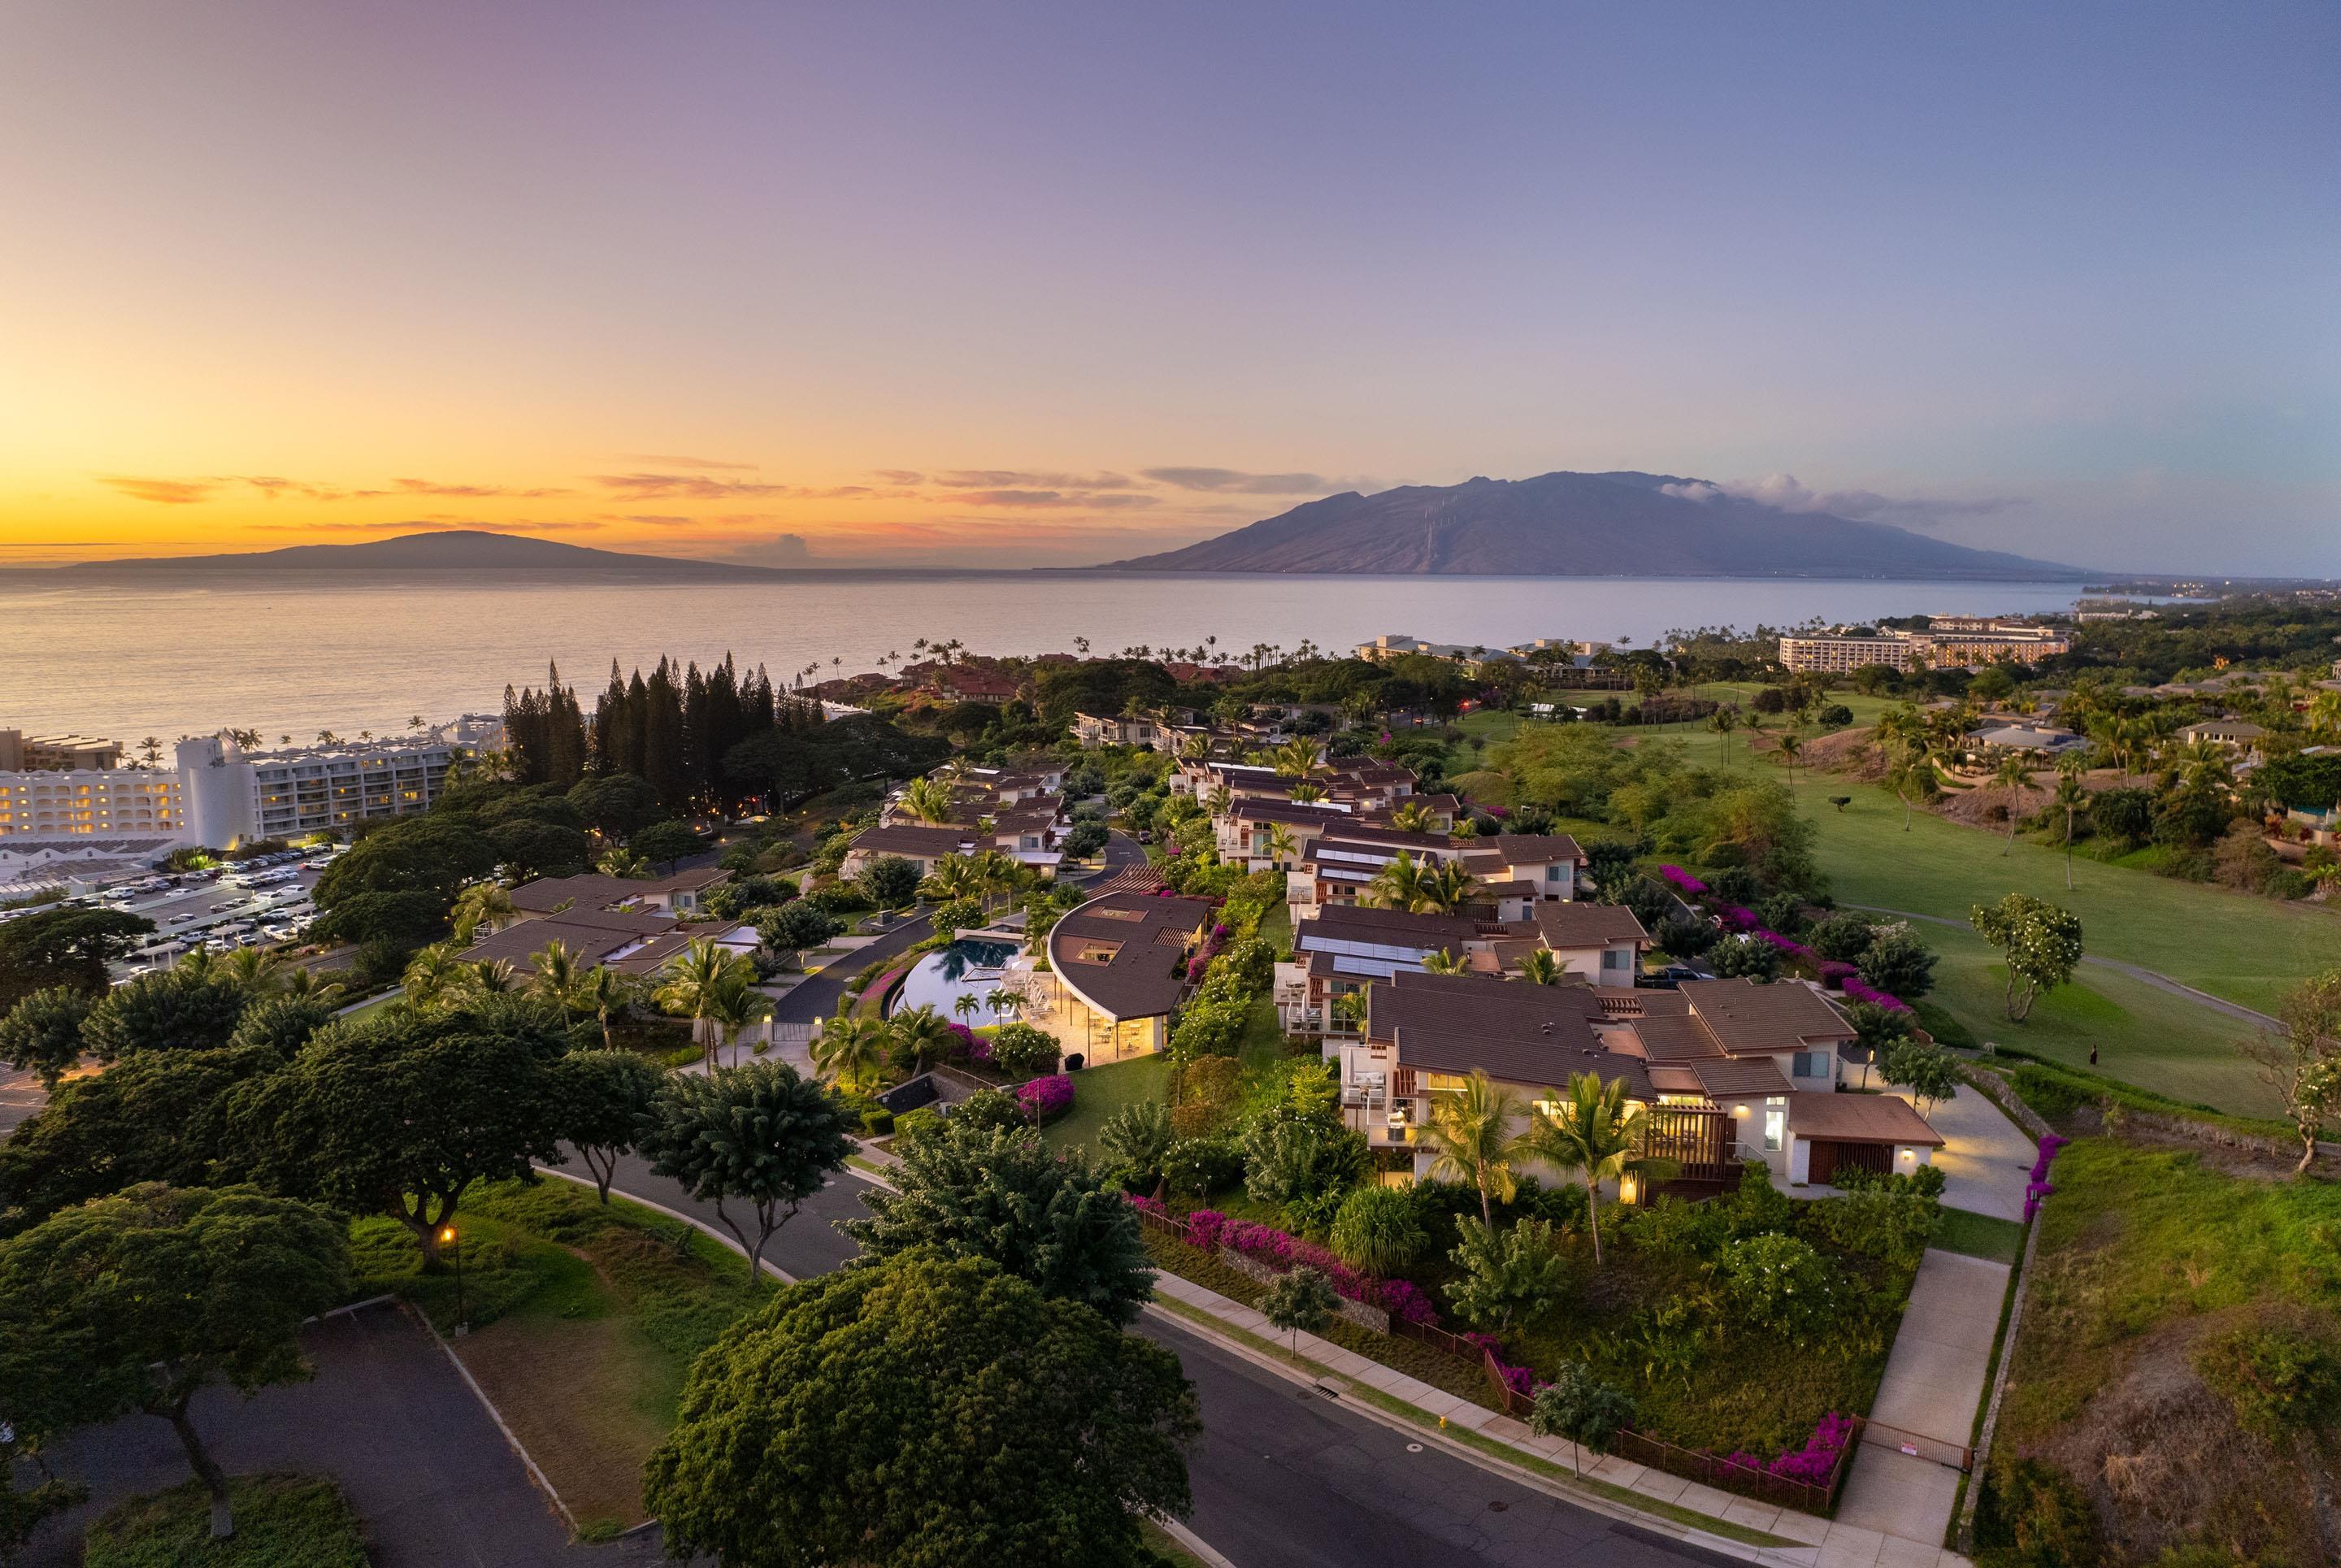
1899,964
1378,1229
2032,1515
925,1121
281,1522
1198,1167
1745,956
1296,1161
1836,716
840,898
986,1111
1135,1138
1209,1026
1779,1284
1045,1099
1020,1048
1783,912
878,1124
1509,1276
1209,1229
2054,1096
1875,1221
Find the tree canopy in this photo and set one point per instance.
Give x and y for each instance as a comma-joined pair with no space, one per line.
923,1413
1044,1215
67,947
757,1135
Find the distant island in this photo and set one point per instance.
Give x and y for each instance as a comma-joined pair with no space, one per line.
1584,525
448,550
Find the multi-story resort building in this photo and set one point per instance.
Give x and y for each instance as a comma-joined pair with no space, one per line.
21,753
91,802
236,796
1952,642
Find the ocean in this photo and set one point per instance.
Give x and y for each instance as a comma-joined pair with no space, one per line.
294,657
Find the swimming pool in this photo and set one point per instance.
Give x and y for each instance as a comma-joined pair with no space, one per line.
971,966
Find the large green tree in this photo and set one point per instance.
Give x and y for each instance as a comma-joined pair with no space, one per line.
43,1032
757,1135
925,1412
1044,1215
152,1116
193,1007
63,947
2041,943
605,1098
139,1302
434,854
397,1113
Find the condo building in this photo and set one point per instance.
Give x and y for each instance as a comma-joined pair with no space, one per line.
80,802
235,795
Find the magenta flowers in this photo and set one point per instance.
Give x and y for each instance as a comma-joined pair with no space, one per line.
1209,1229
1042,1098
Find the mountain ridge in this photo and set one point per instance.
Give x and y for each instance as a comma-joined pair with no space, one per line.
1623,523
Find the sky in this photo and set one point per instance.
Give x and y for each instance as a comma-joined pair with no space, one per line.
1058,283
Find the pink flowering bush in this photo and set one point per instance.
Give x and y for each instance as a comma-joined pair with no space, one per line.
1812,1464
968,1043
1835,974
1681,880
2039,1187
1209,1229
1044,1099
1859,990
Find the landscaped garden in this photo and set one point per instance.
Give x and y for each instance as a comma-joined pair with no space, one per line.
281,1522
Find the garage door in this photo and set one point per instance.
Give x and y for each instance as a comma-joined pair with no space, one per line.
1830,1156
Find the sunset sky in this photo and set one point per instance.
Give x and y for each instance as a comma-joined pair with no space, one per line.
1030,283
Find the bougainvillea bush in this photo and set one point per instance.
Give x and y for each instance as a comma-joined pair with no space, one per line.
1209,1229
1045,1099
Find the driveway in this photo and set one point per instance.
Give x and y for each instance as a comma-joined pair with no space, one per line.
389,1418
1987,1159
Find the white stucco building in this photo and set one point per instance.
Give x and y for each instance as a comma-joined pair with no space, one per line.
233,795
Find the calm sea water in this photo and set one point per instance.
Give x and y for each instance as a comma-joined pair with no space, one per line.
129,661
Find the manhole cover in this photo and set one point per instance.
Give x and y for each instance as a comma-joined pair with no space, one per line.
1414,1448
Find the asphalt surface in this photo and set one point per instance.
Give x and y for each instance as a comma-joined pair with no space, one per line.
21,1094
387,1417
1282,1477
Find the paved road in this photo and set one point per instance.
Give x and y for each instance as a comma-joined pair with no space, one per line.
21,1094
386,1415
2153,977
1284,1478
817,996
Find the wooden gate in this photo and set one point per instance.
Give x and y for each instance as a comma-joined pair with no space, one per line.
1830,1156
1697,1138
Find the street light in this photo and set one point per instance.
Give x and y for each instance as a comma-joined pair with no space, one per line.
447,1237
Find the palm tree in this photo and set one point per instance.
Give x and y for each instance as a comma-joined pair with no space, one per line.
1540,966
736,1004
2071,798
260,972
605,993
1444,962
955,876
850,1051
1281,845
431,974
489,977
997,1002
1307,793
2015,777
1593,1133
1446,888
555,975
966,1005
487,904
1219,800
923,1032
1195,748
306,985
1411,816
998,872
1791,746
1723,721
1470,1129
1296,758
1398,884
623,863
928,800
694,986
2325,718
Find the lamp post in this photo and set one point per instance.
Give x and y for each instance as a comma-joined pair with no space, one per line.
447,1237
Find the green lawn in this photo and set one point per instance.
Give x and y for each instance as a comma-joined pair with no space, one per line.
1978,1235
281,1522
1100,1092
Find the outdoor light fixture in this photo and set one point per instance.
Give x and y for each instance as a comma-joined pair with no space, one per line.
1627,1188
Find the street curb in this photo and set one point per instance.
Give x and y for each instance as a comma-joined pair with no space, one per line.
1593,1503
770,1267
1211,1555
535,1474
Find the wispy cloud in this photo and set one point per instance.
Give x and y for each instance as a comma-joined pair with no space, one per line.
900,476
648,486
1236,482
669,460
1786,492
437,488
1024,479
163,492
1103,501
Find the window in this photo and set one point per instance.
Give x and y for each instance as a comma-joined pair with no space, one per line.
1776,1122
1552,874
1812,1065
1446,1083
1613,959
1096,952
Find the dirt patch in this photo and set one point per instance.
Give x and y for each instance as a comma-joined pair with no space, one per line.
571,1390
1842,751
2165,1460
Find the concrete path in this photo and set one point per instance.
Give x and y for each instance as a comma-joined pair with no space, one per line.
1934,1381
1988,1161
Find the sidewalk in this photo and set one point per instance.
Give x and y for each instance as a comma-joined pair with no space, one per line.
1934,1381
1800,1540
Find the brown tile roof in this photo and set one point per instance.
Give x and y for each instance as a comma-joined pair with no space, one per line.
1535,1064
1125,953
1579,925
1741,1077
1679,1039
1481,1007
921,843
1533,848
1131,879
1850,1118
1749,1018
1392,927
1245,808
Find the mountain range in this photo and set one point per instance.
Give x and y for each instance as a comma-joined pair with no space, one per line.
448,550
1568,525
